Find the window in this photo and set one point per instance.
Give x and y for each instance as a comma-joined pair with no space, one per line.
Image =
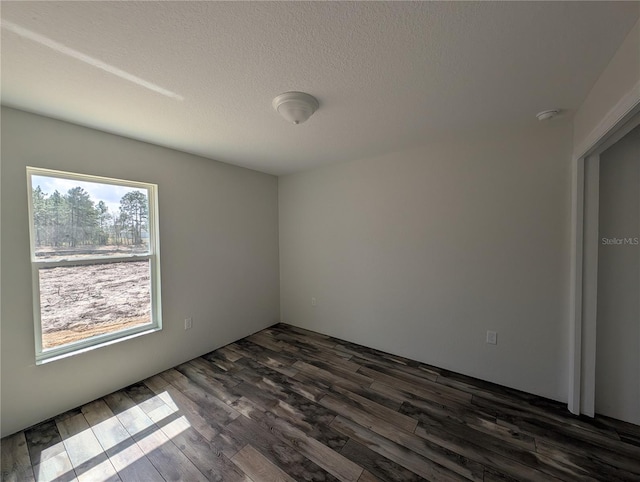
95,261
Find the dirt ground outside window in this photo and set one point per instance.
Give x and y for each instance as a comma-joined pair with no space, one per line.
79,302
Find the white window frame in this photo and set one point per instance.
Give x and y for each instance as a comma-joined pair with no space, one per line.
153,256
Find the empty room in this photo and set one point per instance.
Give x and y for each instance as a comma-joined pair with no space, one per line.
320,241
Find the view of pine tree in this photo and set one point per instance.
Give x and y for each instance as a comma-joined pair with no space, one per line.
57,215
39,214
75,220
134,206
82,217
103,222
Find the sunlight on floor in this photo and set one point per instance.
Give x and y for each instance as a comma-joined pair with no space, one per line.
97,452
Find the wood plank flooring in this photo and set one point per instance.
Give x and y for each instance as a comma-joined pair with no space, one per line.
287,404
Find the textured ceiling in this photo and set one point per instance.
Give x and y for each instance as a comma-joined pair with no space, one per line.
200,76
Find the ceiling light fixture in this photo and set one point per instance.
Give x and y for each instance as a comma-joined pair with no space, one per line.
295,107
547,114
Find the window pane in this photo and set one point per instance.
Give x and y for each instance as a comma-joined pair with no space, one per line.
79,302
75,219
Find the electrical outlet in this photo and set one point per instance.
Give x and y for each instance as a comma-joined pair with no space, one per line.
188,323
313,302
492,338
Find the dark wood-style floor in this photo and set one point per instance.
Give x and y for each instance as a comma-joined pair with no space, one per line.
288,404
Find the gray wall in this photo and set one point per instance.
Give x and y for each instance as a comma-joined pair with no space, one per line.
618,320
420,252
219,257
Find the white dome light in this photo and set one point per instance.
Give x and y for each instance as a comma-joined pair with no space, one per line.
295,107
547,114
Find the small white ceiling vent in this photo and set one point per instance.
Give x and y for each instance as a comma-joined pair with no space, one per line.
295,107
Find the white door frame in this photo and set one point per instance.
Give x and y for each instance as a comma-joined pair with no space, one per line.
624,116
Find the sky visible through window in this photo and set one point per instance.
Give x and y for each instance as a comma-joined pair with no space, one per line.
109,193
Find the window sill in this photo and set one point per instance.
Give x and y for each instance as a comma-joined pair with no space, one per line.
44,359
